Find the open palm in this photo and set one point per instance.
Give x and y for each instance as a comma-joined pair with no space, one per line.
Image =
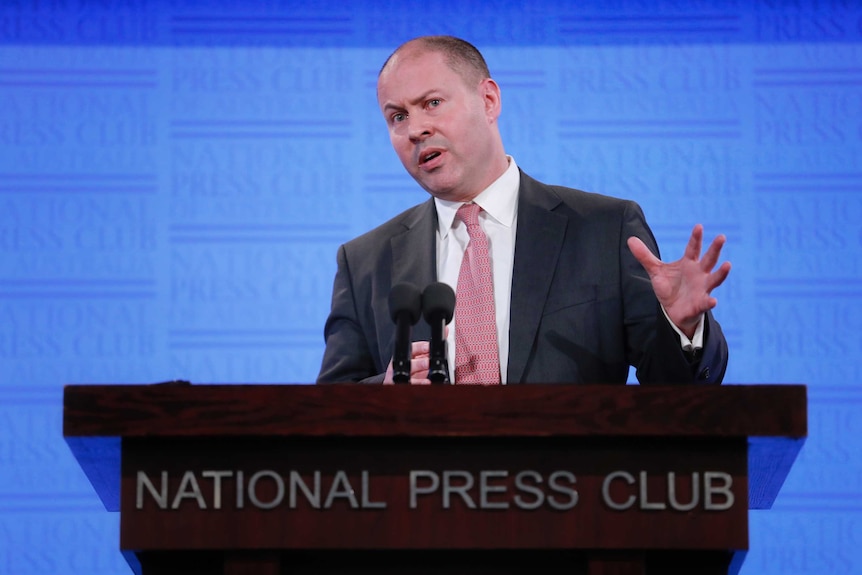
684,287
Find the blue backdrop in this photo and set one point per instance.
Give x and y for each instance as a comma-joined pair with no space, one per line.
175,178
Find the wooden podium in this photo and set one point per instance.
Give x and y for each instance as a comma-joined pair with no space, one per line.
271,479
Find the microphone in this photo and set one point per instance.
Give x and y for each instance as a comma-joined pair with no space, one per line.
438,303
405,304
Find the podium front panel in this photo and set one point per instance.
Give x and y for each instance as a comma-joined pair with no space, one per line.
433,493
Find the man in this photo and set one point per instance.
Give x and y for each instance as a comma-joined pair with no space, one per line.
578,294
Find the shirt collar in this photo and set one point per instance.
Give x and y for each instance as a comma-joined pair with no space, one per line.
498,201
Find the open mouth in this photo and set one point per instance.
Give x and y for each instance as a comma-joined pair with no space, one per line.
428,157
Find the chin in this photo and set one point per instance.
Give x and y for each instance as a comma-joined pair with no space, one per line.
449,196
443,193
441,187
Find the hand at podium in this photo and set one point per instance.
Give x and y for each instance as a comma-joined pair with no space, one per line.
420,352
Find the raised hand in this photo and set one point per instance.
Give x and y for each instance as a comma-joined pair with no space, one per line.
684,287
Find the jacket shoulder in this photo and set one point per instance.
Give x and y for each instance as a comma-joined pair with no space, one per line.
394,226
580,201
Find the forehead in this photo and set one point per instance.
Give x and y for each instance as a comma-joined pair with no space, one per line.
411,74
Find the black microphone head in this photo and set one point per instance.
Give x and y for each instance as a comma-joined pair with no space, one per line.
438,301
405,298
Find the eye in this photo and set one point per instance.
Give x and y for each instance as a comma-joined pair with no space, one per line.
399,117
433,103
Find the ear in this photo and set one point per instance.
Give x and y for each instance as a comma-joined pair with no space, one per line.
490,93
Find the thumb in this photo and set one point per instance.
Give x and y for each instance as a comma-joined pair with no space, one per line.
643,255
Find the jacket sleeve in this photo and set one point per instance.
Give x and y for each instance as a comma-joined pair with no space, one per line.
653,346
347,357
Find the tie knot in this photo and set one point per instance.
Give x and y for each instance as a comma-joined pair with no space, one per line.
469,214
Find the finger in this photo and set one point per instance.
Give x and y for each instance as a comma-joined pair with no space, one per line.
419,366
419,349
695,243
420,381
717,277
710,258
642,254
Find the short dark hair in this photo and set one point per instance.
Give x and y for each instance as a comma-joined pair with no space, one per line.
462,56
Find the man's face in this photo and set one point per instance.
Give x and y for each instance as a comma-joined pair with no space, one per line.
443,130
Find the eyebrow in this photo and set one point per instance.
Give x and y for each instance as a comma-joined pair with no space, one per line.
424,96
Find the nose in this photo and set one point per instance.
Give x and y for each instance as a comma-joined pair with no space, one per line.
419,129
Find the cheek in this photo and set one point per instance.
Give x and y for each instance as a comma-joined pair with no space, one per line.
402,148
396,141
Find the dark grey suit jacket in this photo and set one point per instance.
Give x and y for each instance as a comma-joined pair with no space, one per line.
582,308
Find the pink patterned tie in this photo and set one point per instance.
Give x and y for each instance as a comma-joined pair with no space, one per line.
477,360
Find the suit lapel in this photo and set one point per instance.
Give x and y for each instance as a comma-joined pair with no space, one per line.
414,255
538,242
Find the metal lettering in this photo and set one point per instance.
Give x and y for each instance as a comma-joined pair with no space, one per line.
415,489
366,503
160,497
449,489
554,484
216,476
341,488
695,492
240,493
189,488
710,489
252,489
645,504
606,490
520,485
313,498
485,488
